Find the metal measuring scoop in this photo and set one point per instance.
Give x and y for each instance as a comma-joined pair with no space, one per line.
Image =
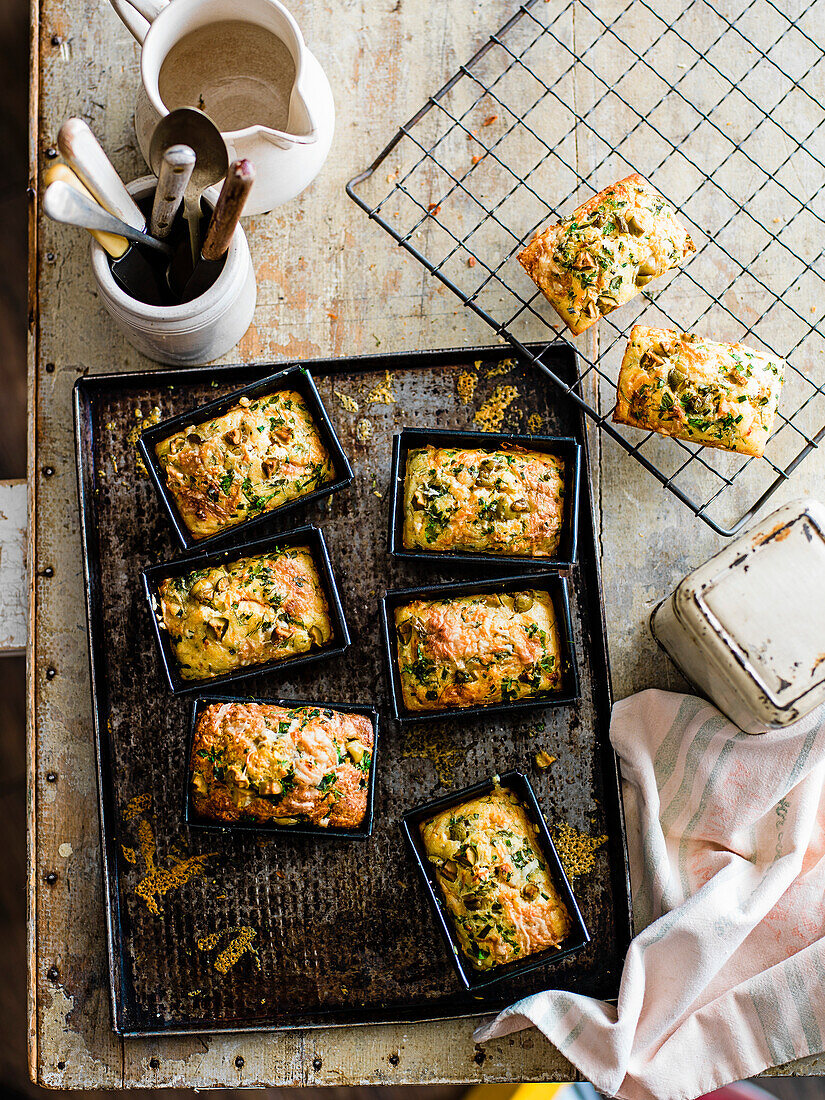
189,126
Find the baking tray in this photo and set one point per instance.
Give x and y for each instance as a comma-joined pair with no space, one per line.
552,582
293,378
566,449
341,933
578,936
309,535
193,820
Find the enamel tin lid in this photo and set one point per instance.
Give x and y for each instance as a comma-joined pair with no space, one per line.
757,609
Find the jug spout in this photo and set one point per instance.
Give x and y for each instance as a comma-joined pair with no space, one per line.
300,128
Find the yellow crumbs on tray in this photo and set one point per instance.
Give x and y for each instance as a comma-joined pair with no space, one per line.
133,435
363,430
466,386
534,423
491,414
382,394
159,881
427,744
236,949
349,403
576,850
498,369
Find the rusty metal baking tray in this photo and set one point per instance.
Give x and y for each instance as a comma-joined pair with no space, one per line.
245,932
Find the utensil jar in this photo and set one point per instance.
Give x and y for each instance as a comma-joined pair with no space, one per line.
192,332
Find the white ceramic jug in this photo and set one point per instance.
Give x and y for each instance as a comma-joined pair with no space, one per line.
287,159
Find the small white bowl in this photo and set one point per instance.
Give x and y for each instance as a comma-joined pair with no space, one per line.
192,332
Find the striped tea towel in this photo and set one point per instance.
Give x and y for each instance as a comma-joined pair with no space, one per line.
726,976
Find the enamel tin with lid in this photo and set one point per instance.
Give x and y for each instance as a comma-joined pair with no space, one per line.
748,626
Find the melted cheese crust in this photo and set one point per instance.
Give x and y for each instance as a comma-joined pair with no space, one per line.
508,501
607,250
256,457
720,395
495,880
249,612
265,763
477,650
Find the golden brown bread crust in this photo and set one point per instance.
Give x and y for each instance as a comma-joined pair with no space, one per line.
259,455
507,501
680,384
607,250
494,880
485,650
248,612
259,762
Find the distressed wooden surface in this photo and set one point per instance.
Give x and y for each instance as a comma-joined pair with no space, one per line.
14,596
328,283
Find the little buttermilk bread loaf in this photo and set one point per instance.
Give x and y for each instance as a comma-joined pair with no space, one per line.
680,384
484,650
249,612
508,501
606,251
494,880
258,456
260,762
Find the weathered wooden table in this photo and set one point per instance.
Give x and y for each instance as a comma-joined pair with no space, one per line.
328,282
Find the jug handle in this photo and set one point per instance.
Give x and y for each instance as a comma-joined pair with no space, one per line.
138,15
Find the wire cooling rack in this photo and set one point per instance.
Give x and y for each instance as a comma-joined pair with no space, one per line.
720,106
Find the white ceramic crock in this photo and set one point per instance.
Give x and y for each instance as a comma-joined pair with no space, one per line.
748,626
286,161
193,332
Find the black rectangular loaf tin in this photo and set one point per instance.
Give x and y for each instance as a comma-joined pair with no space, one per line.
293,378
311,536
562,447
193,821
556,585
520,785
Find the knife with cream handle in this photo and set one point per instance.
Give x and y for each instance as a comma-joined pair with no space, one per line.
111,242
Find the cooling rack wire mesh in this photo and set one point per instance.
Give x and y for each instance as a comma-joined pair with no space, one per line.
720,106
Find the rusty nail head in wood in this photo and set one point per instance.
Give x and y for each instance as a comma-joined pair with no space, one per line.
50,877
53,974
51,777
239,1062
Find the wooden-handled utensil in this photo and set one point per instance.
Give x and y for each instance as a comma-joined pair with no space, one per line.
173,179
64,204
192,127
111,242
133,270
228,209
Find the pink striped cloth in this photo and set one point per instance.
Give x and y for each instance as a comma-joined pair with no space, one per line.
726,975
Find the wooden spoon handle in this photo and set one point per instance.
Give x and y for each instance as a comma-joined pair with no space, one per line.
82,150
228,209
173,179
